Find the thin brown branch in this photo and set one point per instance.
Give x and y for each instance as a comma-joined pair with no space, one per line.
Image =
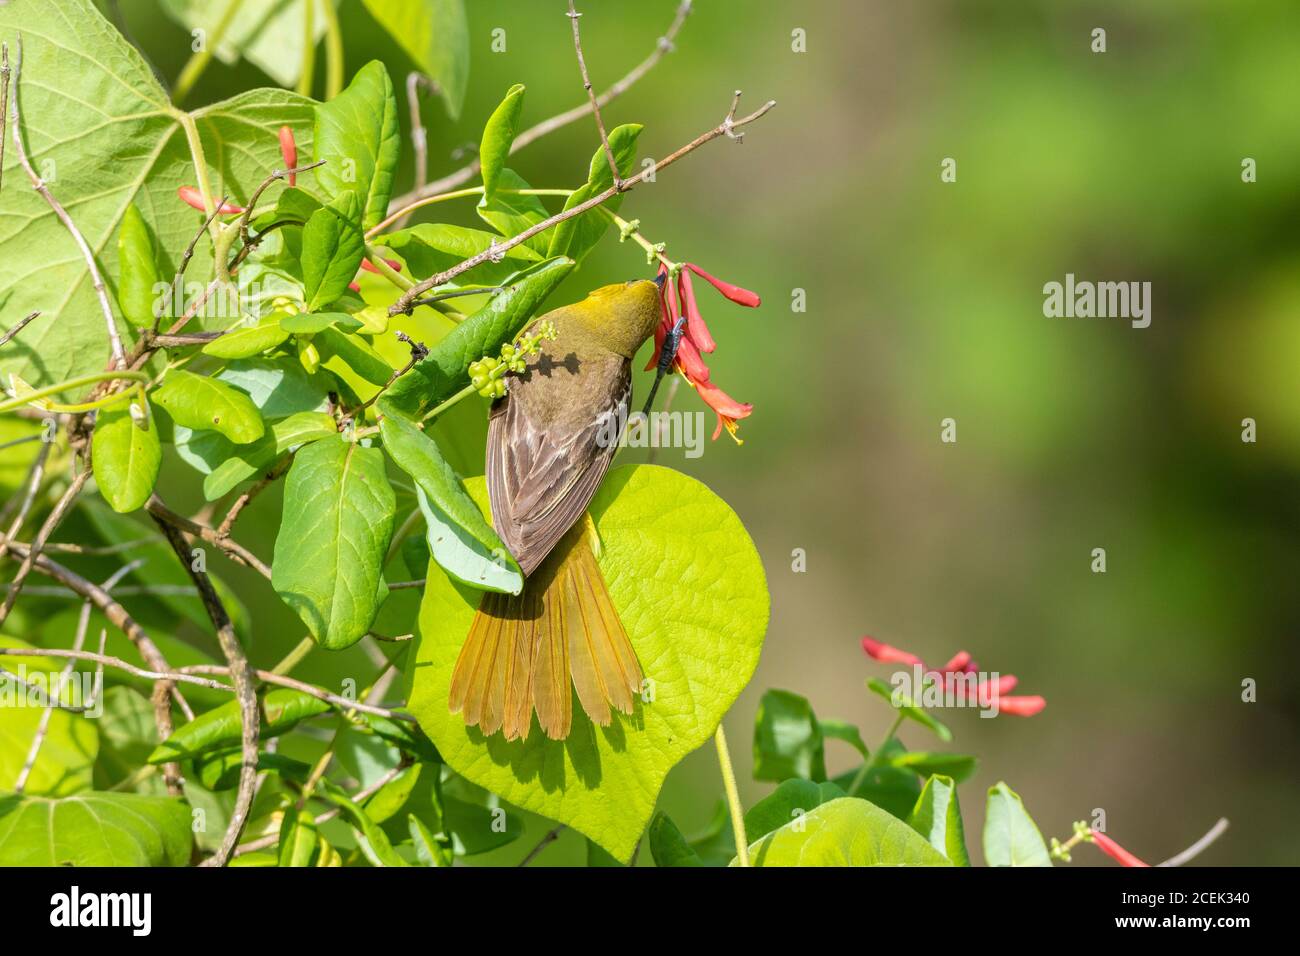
42,728
236,551
276,174
463,175
4,113
187,255
96,280
22,323
35,476
241,675
281,680
1200,846
243,501
574,15
52,521
551,836
727,127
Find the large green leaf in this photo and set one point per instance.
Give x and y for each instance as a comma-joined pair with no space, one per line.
125,457
498,134
689,587
270,34
329,553
937,817
845,832
460,538
97,122
67,757
94,829
446,369
248,339
332,250
435,35
357,136
206,402
1011,837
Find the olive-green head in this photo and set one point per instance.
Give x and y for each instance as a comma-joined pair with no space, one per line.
619,317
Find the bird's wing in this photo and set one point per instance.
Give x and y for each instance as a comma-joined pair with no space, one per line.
546,459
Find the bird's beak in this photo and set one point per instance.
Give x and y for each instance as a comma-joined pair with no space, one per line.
660,279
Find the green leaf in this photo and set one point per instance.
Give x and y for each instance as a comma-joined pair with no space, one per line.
392,796
510,213
937,817
94,111
247,340
460,538
332,249
430,849
204,402
911,711
94,829
355,353
220,728
842,730
357,136
845,832
293,204
887,787
1011,837
221,770
787,739
136,292
575,237
446,369
127,734
299,840
668,846
268,35
404,735
67,757
476,819
249,460
498,134
790,801
689,588
925,763
429,248
329,553
435,35
125,457
372,840
309,323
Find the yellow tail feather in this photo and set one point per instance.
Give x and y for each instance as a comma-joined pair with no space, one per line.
523,653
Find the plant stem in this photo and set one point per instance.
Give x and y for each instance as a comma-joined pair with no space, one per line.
19,401
294,657
333,51
438,410
457,194
387,271
871,762
199,61
733,797
308,47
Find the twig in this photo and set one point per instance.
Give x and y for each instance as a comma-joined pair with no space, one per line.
4,114
281,680
276,174
243,501
591,95
114,340
548,126
187,255
60,547
33,551
182,676
417,83
37,475
1199,847
22,323
241,675
236,551
542,844
407,585
727,127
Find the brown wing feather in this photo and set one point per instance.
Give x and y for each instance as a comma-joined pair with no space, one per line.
545,458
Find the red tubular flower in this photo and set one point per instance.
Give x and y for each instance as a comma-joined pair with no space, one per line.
289,152
1114,850
192,197
888,654
696,330
354,286
733,292
728,409
1021,706
369,266
958,663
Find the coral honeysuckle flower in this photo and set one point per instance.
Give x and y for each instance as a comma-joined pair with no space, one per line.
289,153
986,690
369,266
1114,850
192,197
677,300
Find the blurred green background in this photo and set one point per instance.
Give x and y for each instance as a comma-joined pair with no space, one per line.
924,301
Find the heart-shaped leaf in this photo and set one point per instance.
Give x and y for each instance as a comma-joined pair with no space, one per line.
689,588
94,829
845,832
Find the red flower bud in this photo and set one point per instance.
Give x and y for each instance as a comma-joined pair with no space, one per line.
1115,851
289,153
1021,706
369,266
354,286
192,197
696,330
733,292
888,654
958,663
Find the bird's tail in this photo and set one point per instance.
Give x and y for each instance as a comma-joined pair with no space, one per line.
523,651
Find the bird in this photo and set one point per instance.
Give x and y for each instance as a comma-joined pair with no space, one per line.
550,441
